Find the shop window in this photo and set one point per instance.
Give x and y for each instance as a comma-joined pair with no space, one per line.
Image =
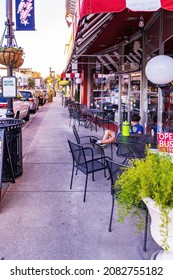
152,37
167,22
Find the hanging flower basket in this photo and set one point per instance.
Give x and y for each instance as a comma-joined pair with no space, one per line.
11,56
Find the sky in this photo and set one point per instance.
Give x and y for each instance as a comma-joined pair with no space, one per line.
44,47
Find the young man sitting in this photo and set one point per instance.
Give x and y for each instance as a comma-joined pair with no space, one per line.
110,136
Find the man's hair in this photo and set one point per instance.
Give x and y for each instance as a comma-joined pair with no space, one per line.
135,118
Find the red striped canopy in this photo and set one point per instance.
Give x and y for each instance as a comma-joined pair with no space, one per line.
111,6
70,75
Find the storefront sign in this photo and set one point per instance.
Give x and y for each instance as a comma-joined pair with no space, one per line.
9,86
165,142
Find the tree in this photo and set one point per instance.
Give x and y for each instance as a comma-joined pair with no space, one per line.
31,82
36,74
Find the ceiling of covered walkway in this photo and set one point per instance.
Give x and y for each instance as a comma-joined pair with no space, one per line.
99,36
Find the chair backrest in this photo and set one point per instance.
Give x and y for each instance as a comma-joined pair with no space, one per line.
78,154
76,114
70,110
76,134
115,169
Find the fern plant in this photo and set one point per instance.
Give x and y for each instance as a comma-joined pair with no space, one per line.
150,177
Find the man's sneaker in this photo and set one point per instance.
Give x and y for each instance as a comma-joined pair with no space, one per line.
95,144
103,146
93,141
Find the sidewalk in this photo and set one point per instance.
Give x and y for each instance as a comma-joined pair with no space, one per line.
41,218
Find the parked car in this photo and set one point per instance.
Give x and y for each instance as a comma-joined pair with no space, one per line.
31,97
20,107
41,96
45,94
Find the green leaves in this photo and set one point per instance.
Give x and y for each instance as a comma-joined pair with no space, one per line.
149,177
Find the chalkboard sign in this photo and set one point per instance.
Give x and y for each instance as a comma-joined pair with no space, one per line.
6,168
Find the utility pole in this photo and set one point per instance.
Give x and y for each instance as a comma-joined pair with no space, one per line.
9,36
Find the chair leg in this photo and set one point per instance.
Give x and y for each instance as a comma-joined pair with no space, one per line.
103,154
93,176
86,181
111,151
112,210
78,125
145,231
72,177
105,173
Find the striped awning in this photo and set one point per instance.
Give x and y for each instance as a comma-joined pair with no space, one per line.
111,6
103,25
70,75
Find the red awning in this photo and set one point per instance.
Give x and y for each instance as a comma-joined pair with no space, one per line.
70,75
111,6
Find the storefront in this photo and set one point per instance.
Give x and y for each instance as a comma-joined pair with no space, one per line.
112,44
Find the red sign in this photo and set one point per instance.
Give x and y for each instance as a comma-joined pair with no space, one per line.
165,142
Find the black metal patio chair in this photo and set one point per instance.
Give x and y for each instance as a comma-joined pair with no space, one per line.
85,166
115,169
106,118
71,115
81,118
87,141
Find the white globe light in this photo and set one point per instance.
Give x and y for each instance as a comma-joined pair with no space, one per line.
159,69
78,81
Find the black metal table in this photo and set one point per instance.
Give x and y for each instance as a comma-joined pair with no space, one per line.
133,146
93,113
96,114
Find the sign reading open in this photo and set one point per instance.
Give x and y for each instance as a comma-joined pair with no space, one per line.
165,142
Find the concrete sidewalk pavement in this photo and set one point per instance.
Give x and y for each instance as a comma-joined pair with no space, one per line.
41,218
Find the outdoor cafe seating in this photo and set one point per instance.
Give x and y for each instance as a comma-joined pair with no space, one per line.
78,117
89,160
84,165
133,146
86,141
100,118
115,169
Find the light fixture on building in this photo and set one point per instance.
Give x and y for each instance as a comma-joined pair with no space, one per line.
126,39
86,23
141,22
78,81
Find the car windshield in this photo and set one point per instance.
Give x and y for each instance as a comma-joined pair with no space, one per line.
26,94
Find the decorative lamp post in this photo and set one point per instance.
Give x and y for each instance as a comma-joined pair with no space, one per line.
9,36
10,54
159,70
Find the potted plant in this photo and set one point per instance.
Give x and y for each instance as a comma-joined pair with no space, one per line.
150,180
11,55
